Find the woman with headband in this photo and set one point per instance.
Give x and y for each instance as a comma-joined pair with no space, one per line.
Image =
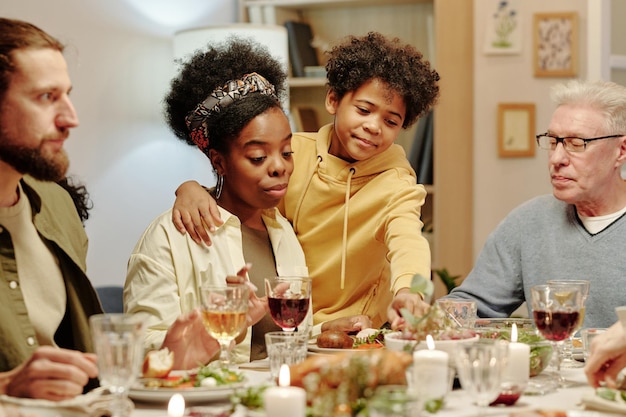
225,101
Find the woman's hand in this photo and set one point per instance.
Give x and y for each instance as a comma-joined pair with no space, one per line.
257,306
190,341
607,357
195,211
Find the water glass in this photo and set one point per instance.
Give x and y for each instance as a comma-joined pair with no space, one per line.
394,401
118,342
480,367
587,335
285,348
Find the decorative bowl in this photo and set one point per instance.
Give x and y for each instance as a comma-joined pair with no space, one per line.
397,341
500,328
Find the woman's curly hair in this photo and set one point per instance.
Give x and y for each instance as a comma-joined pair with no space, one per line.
357,60
80,196
209,69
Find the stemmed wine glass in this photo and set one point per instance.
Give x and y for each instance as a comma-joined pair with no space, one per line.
556,311
480,366
288,299
224,311
118,343
568,360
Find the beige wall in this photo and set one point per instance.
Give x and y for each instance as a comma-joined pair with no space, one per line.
121,61
500,184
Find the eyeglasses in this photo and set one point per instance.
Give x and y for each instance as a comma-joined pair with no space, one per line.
571,144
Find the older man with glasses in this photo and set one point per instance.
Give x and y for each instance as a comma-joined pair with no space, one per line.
579,232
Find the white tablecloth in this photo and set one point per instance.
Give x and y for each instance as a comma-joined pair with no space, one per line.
458,402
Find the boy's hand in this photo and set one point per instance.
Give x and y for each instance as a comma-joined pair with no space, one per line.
405,299
348,324
195,211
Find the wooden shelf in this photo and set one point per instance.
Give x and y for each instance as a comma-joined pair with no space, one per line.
307,82
324,4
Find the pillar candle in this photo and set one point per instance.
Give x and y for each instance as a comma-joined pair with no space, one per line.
431,371
283,400
176,406
518,364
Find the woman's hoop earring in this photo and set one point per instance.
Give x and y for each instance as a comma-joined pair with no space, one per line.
219,186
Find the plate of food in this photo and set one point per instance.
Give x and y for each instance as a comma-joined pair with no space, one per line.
335,341
159,382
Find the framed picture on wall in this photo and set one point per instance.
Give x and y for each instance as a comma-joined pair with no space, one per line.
555,44
516,130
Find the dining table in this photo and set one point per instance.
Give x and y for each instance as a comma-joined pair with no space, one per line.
458,402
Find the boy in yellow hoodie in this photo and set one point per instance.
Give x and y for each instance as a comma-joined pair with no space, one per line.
353,199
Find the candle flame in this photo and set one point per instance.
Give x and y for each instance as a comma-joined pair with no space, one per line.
284,378
176,406
514,333
430,343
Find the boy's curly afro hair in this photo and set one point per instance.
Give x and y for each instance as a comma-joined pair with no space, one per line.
209,69
357,60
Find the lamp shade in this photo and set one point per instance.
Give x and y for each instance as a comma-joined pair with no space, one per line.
273,37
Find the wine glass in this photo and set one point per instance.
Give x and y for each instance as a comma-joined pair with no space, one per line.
288,299
480,366
568,360
556,311
118,343
224,311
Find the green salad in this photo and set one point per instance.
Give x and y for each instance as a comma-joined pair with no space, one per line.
540,348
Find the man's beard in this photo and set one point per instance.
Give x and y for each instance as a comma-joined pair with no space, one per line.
32,161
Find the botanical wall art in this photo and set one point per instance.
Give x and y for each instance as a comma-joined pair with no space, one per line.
556,44
503,30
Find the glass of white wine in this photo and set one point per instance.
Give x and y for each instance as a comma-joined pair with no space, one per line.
224,311
568,360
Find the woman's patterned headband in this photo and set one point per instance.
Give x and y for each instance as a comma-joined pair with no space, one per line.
221,98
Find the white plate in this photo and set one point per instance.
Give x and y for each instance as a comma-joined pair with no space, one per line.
568,413
191,395
41,411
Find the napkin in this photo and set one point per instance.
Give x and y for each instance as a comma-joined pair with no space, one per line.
258,365
591,401
95,403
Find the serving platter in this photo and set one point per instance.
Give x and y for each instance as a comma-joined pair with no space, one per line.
139,392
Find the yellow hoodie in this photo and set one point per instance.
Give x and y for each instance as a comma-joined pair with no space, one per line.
359,226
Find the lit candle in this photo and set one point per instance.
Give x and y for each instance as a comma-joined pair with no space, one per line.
283,400
518,364
176,406
431,371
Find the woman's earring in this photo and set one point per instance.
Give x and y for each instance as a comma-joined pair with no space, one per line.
219,186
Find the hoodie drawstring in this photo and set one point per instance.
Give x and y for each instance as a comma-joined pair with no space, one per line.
296,212
344,242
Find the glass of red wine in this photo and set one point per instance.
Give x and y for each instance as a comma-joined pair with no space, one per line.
289,298
556,312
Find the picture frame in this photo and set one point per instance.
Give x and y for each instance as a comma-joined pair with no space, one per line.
503,30
555,37
516,130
